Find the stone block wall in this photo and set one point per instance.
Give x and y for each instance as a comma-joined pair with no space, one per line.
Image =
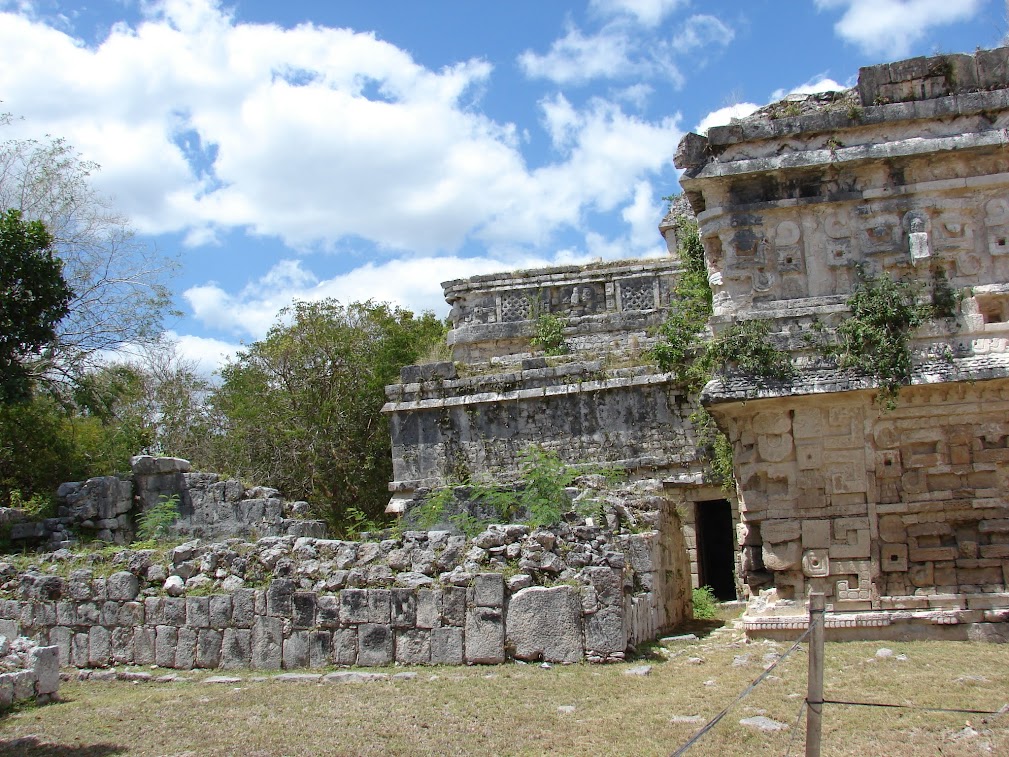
380,608
449,430
28,672
106,508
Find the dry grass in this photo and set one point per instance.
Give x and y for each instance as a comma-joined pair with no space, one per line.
513,709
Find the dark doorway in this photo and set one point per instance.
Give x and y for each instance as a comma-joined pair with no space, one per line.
716,547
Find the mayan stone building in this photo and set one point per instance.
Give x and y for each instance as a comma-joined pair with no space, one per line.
900,517
600,403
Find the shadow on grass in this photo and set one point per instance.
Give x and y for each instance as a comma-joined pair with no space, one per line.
30,746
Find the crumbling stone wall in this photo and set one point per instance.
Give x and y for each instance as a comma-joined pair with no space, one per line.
419,598
896,516
106,508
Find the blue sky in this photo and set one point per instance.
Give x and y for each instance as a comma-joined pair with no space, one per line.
361,150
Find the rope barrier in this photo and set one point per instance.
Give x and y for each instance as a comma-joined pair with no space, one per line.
915,707
714,721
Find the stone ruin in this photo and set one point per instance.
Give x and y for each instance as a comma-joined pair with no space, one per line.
900,518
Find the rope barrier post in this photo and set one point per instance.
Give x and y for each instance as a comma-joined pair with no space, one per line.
814,686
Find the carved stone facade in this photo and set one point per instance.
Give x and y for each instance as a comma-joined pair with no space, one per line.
902,516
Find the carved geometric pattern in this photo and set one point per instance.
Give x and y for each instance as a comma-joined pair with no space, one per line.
514,307
637,295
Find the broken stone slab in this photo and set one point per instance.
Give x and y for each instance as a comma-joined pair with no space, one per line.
545,623
352,676
639,670
762,723
222,679
299,677
148,465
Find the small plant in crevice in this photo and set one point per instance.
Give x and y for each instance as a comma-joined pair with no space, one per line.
537,499
876,339
705,603
155,522
549,334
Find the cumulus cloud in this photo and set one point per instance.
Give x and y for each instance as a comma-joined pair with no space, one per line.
645,12
203,125
725,115
890,27
206,354
626,46
613,53
702,31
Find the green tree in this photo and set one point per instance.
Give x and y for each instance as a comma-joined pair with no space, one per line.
300,410
119,296
33,298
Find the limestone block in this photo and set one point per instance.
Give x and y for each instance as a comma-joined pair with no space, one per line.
853,535
484,637
403,608
816,563
453,606
243,606
236,648
144,644
816,534
545,623
428,610
79,650
413,647
109,613
220,611
131,614
66,613
892,530
280,598
173,611
62,638
185,650
365,606
375,644
99,646
303,606
605,633
447,646
327,610
208,648
296,650
319,646
488,590
198,612
122,646
24,685
122,586
893,558
782,556
777,531
167,638
267,642
344,650
6,690
45,663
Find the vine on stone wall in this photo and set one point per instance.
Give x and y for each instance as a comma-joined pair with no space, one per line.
876,339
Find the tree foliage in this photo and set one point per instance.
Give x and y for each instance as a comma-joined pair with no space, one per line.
118,288
301,409
33,299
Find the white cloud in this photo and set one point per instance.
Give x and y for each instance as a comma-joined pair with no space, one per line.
702,31
613,53
725,115
208,355
890,27
645,12
818,83
203,125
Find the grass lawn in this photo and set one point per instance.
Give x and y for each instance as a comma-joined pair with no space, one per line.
516,709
